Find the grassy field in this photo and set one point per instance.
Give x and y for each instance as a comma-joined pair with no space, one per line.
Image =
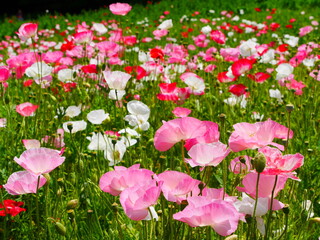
177,120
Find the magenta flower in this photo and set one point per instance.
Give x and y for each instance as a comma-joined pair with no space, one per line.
266,184
114,182
177,186
201,211
40,160
23,182
207,154
257,135
26,109
278,164
120,8
137,200
27,30
4,73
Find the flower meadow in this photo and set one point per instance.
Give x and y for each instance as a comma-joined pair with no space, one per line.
201,124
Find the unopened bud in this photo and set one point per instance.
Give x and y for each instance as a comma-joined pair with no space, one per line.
47,176
232,237
315,219
72,204
59,192
70,127
259,162
61,229
285,209
289,107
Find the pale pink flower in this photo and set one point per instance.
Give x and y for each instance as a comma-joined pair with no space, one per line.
181,112
23,182
40,160
160,32
305,30
257,135
201,211
26,109
120,8
83,37
207,154
178,186
137,200
114,182
27,30
177,130
3,122
31,143
265,186
210,135
277,164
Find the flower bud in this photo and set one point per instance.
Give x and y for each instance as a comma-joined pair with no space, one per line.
72,204
259,162
315,219
289,107
61,229
285,209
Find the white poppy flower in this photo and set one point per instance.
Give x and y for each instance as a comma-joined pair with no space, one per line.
72,111
38,70
75,126
167,24
97,116
66,75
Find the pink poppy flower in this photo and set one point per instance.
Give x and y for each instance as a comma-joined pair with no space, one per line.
114,182
241,66
210,135
218,36
83,36
181,112
201,211
259,77
160,32
177,186
170,92
26,109
207,154
31,143
277,164
176,130
120,8
4,73
137,200
266,184
238,89
27,30
23,182
40,160
256,135
305,30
